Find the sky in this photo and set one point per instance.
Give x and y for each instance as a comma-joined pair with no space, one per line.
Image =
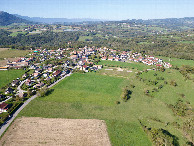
100,9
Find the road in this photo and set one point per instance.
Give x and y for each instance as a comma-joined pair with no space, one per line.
10,119
19,87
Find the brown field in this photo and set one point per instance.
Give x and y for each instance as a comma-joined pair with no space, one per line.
45,131
3,49
4,62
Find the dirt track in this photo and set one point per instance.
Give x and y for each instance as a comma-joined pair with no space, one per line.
43,131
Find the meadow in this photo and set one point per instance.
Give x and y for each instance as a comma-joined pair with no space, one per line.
11,53
85,38
9,75
14,34
176,61
132,65
94,96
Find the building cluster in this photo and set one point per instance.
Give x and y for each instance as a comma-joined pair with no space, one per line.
37,76
83,57
47,66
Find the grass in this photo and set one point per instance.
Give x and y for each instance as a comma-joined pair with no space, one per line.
94,95
187,42
9,75
139,66
84,38
13,34
13,53
176,61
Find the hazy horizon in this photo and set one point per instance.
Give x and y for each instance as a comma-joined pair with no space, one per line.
98,9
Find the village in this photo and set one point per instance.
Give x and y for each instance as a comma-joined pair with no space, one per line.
44,67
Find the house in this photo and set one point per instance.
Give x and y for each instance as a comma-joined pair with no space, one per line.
45,75
36,74
4,107
158,65
15,83
50,69
136,60
56,73
4,68
74,56
25,75
38,70
97,66
84,67
149,63
28,82
117,59
103,58
9,91
110,58
167,65
39,85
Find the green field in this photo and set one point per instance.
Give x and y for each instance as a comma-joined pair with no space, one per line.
84,38
13,53
13,34
94,95
176,61
139,66
187,42
9,75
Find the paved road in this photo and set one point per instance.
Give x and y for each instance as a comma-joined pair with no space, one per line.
8,122
19,87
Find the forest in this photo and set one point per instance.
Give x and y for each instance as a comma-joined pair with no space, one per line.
146,37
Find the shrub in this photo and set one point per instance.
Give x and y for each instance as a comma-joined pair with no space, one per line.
173,83
118,102
160,86
126,94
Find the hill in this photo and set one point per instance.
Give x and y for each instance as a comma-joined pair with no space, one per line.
7,19
57,20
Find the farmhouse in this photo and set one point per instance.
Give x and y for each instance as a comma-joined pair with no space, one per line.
97,66
56,73
84,67
110,58
9,91
103,58
4,68
15,83
4,107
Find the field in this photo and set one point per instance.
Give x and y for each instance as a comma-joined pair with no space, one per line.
94,96
176,61
3,49
13,34
84,38
41,131
138,66
9,75
13,53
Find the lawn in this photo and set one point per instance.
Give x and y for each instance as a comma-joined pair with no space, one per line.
132,65
9,75
94,96
13,53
